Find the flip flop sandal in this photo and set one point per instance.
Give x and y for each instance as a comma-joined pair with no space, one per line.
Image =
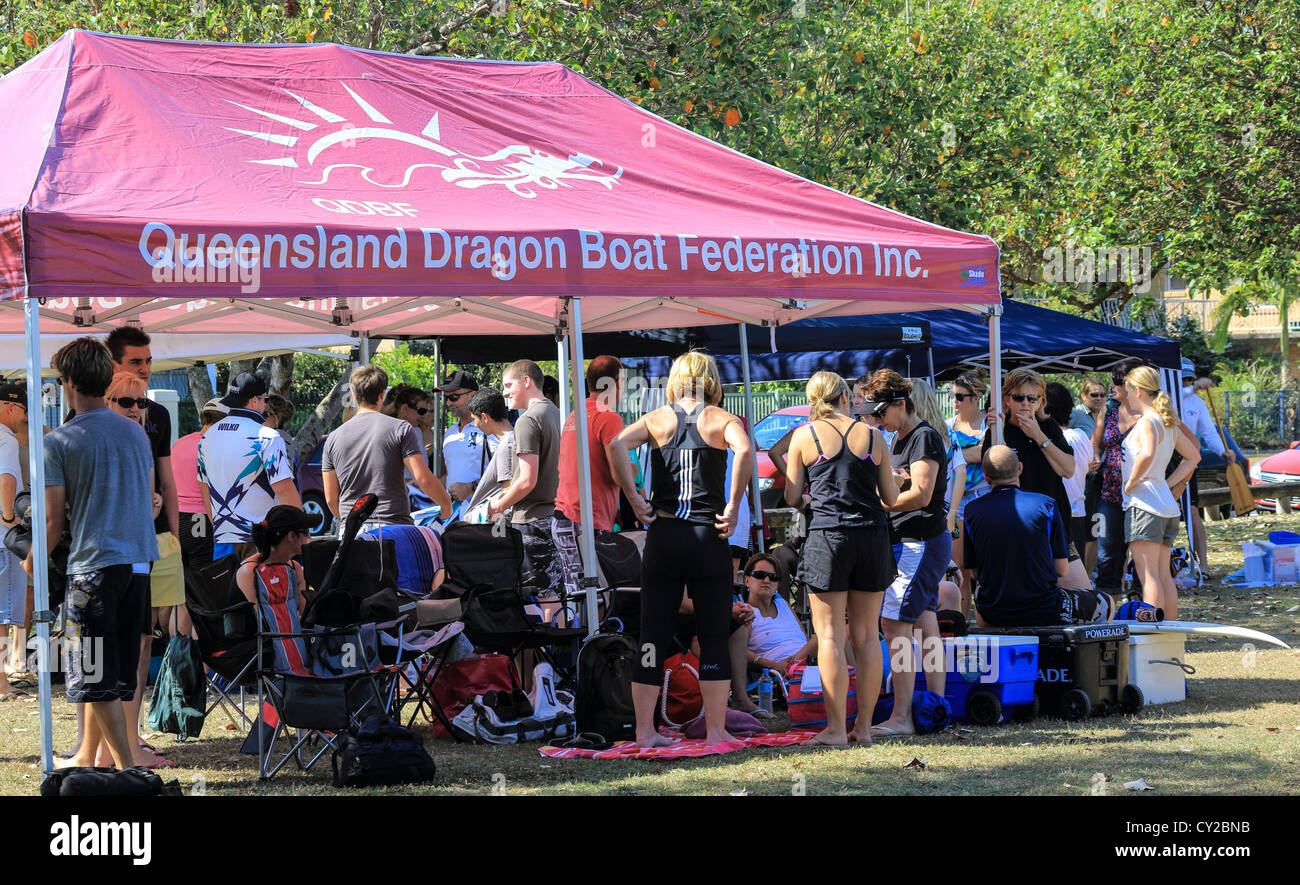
587,740
15,694
160,762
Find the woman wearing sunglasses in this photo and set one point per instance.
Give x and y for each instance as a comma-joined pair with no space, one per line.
919,525
126,395
846,562
776,640
1045,455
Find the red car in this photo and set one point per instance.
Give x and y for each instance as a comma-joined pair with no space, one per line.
1282,467
771,483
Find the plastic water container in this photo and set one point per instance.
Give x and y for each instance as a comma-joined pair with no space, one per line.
765,693
1258,563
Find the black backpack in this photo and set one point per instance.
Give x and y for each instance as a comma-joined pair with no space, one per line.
381,752
126,784
604,699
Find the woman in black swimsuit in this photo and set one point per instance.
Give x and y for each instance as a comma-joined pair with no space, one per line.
686,544
847,562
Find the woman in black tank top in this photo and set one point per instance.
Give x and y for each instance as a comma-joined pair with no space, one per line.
846,562
686,544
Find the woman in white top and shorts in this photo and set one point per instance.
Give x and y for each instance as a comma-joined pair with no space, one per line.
1151,516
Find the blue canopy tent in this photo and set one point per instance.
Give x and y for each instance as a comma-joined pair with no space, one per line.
1033,337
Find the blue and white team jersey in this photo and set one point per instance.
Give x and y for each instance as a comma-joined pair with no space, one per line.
239,460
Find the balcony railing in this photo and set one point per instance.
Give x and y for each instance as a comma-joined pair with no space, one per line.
1263,320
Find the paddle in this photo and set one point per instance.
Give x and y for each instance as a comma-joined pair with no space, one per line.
361,509
1243,502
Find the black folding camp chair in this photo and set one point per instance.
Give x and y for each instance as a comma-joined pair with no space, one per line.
226,627
488,561
319,682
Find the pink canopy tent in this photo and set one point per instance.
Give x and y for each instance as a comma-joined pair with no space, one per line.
320,187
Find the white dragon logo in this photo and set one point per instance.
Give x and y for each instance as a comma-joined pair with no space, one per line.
520,169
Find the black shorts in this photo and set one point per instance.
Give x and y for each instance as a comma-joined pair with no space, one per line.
1081,533
835,560
102,612
1196,492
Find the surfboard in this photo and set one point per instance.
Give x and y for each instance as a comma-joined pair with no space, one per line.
1138,628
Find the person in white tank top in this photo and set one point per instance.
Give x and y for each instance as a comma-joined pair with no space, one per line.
1151,516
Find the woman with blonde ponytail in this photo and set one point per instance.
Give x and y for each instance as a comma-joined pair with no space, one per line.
1151,519
846,563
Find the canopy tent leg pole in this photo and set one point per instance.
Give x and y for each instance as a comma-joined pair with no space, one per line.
439,411
755,503
588,539
562,358
995,367
365,349
40,544
1171,384
930,355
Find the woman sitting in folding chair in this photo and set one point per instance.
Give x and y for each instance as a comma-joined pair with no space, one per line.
278,538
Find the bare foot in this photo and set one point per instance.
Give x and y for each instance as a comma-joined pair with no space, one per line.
73,762
653,740
856,737
891,727
830,738
719,738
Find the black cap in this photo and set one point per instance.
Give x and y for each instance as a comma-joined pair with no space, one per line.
459,380
245,386
13,392
287,518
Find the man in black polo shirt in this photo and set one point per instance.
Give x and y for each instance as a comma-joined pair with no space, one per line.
129,347
1016,543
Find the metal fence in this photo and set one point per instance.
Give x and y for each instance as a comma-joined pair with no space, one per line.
1260,419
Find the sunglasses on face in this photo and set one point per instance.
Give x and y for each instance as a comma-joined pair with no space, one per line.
1096,394
962,396
420,411
878,409
1030,398
451,398
763,576
127,402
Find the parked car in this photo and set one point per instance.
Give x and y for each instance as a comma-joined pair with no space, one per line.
1282,467
771,483
312,490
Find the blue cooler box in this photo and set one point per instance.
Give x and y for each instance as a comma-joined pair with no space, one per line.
990,678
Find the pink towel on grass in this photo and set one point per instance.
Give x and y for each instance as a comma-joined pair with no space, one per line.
683,749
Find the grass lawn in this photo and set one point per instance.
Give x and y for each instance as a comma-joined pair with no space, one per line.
1237,733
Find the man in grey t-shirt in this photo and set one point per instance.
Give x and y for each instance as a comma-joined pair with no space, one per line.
536,475
99,465
488,411
368,453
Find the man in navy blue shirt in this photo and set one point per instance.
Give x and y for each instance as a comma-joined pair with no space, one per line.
1017,544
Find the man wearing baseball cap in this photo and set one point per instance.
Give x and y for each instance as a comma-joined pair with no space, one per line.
243,468
13,582
1197,418
465,449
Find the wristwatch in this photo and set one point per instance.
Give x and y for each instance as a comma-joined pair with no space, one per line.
1045,443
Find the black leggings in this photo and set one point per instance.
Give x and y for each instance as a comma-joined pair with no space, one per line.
677,554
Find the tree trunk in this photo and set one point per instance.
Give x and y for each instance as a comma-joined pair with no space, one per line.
200,387
239,367
279,371
318,424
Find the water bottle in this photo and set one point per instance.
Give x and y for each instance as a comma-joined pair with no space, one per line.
765,693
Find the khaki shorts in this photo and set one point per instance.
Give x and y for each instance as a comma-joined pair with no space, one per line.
166,580
1142,525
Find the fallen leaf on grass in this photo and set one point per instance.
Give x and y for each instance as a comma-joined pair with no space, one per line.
740,791
1184,749
916,763
1272,729
956,736
1293,609
1139,785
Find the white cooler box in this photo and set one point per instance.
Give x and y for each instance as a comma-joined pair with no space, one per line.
1155,665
